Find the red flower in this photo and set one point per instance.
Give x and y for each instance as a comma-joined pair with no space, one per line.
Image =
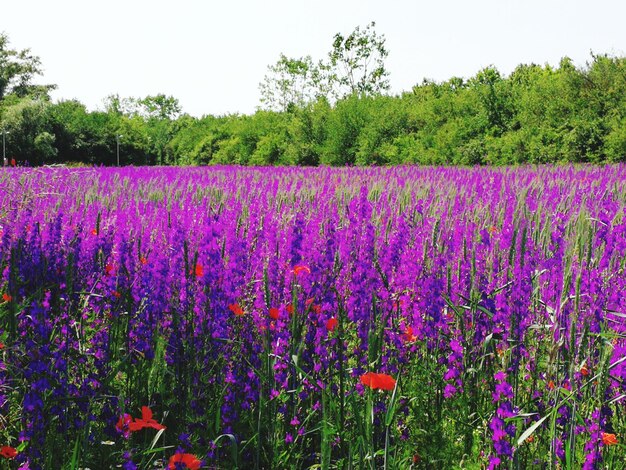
584,370
1,345
409,336
109,269
331,324
290,309
198,270
143,260
299,269
8,452
146,421
94,231
189,460
609,439
378,381
7,297
236,309
274,313
123,425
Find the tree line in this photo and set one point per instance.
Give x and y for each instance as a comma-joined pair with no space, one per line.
335,111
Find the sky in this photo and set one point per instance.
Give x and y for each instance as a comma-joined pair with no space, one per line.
212,55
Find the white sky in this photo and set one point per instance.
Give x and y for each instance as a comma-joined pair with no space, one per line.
211,55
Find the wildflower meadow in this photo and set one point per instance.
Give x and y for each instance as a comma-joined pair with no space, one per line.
331,318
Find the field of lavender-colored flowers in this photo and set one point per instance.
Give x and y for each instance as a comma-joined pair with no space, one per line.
313,318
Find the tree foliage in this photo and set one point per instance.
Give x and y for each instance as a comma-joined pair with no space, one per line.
537,114
17,70
291,82
355,65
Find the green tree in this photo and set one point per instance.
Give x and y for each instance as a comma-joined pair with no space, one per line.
17,70
494,95
291,82
344,126
160,107
28,122
357,63
309,131
158,112
43,146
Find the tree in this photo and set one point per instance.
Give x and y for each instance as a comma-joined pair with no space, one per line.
495,97
291,82
357,63
160,107
115,104
158,112
43,146
17,70
355,66
29,124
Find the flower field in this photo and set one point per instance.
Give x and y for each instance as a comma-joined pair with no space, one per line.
265,318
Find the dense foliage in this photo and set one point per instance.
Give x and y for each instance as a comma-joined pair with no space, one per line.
313,318
335,113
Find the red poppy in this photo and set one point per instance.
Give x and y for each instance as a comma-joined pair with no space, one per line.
316,309
236,309
378,381
1,345
299,269
551,385
94,231
274,313
146,421
331,324
198,270
123,424
584,370
109,269
8,452
189,460
609,439
7,297
408,335
116,294
143,260
290,309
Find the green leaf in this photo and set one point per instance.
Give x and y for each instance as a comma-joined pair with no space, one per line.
526,434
